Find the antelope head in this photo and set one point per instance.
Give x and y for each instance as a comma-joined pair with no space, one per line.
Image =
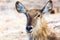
30,14
33,13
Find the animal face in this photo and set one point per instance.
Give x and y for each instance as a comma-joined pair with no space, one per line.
32,14
41,31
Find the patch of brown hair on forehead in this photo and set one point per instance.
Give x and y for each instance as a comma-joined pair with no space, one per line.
33,12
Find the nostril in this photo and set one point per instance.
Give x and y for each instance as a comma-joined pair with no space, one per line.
28,28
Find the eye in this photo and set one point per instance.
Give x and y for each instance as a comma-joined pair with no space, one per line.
38,15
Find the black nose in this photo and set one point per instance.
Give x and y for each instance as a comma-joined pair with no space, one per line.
28,28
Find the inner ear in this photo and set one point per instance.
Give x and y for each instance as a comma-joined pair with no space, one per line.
20,7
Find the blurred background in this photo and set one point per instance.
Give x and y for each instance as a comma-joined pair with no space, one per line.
10,4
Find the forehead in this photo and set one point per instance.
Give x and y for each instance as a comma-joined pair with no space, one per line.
33,12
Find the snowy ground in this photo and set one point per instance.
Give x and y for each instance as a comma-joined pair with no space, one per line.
12,24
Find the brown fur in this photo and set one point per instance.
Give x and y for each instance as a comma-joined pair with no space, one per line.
33,12
43,32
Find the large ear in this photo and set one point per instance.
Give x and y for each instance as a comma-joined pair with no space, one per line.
47,7
20,7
